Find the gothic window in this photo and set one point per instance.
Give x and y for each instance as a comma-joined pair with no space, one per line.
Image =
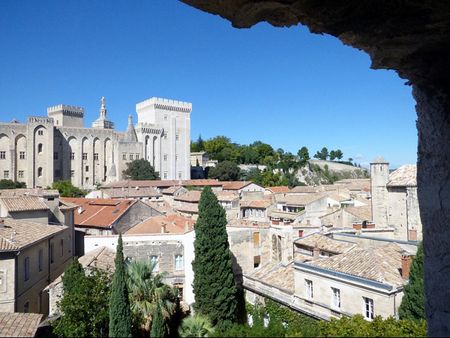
40,172
179,264
95,156
40,147
84,156
22,155
6,174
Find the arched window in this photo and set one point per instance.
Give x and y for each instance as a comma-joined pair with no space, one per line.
40,147
40,172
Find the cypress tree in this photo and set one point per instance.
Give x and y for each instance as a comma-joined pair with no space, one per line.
158,324
119,305
413,302
214,285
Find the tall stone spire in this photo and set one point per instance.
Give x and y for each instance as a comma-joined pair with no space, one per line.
102,122
130,135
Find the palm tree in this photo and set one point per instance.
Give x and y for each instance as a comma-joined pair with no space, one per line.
196,326
147,290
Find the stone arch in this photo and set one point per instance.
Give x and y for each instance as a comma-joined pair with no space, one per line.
20,148
73,159
420,55
108,158
97,160
5,160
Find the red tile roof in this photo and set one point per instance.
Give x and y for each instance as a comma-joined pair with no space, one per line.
191,196
234,185
162,183
278,190
99,212
261,204
174,224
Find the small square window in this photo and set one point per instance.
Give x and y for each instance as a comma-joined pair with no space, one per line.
84,156
72,156
40,132
136,156
6,174
20,174
131,157
40,148
2,155
86,168
165,174
165,157
95,156
124,156
21,155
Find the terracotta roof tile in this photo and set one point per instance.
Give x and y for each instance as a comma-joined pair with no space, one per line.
17,234
128,192
192,196
24,203
405,176
381,264
278,190
226,196
290,199
276,275
174,224
162,183
99,212
364,213
234,185
261,204
325,243
19,324
39,192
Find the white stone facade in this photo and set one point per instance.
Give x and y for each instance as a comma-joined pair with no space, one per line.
58,147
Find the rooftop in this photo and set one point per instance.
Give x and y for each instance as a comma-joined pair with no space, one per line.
405,176
192,196
171,190
23,203
19,324
17,234
98,212
228,196
235,185
261,204
290,199
276,275
325,243
174,224
381,264
162,183
364,213
278,190
29,192
128,192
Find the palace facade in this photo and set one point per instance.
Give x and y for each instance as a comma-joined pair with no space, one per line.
59,147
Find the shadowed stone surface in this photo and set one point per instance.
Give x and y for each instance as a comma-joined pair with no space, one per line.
412,38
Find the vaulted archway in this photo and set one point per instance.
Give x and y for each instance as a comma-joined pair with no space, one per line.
412,38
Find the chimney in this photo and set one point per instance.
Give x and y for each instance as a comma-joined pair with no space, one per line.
316,251
406,264
163,228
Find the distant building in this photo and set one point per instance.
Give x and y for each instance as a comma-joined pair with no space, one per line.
59,147
394,199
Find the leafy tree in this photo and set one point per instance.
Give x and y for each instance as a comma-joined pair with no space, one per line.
199,145
214,284
303,155
84,305
8,184
158,324
67,189
253,174
339,154
322,155
413,301
215,145
225,171
119,304
196,326
147,291
140,170
332,155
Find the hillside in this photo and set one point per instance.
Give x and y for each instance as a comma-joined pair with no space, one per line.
326,172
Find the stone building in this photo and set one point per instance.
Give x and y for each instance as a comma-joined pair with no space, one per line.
394,199
59,147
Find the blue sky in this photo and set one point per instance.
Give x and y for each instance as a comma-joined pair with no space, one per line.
283,86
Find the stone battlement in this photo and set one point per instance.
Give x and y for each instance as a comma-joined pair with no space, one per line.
73,110
166,104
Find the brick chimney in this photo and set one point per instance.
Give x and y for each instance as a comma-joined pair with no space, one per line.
406,264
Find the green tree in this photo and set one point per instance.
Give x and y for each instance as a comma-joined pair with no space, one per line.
322,155
339,154
67,189
225,171
158,324
413,301
84,305
215,145
303,155
8,184
119,304
147,291
214,284
198,145
196,326
332,155
140,170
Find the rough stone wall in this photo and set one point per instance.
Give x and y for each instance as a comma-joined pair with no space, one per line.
137,213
